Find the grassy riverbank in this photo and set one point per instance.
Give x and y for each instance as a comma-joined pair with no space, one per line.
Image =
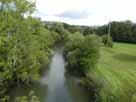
115,74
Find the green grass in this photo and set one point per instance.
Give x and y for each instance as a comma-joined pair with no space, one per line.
116,73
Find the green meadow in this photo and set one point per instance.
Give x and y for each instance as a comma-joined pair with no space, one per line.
115,75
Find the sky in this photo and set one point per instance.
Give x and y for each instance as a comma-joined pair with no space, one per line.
86,12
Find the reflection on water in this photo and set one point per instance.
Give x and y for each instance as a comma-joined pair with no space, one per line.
54,86
57,90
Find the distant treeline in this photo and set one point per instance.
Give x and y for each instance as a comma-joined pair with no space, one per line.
124,31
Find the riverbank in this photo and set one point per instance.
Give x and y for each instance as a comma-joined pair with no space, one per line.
54,85
109,81
114,77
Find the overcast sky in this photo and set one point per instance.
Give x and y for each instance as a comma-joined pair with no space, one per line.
86,12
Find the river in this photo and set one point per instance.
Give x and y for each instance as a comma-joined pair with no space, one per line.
54,85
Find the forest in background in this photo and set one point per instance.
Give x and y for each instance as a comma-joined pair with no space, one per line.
123,31
104,62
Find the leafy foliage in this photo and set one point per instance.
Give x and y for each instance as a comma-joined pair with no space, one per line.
24,44
30,98
107,40
82,53
124,31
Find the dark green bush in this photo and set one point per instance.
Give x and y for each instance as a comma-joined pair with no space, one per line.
82,53
107,40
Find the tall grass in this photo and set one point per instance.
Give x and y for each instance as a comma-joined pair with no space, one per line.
116,74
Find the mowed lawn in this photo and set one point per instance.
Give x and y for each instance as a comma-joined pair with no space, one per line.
115,74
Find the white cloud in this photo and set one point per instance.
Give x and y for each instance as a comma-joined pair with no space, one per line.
86,12
72,14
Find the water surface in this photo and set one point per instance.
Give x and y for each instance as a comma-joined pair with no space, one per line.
54,86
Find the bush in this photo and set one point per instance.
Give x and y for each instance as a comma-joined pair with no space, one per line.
107,40
30,98
82,53
4,99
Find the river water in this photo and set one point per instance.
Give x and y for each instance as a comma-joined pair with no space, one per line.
54,85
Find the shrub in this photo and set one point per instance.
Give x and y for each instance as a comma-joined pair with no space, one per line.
30,98
107,40
82,53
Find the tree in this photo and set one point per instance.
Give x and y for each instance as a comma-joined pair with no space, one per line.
123,31
24,44
82,53
30,98
107,40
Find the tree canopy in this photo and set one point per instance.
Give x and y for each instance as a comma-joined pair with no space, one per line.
24,44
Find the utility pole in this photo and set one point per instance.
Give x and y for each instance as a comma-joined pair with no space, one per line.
109,29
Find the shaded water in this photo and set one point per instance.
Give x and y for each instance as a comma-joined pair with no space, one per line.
57,90
54,86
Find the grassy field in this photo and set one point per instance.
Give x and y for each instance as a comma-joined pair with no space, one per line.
116,73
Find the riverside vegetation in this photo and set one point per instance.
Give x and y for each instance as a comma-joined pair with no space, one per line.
106,69
108,72
25,45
